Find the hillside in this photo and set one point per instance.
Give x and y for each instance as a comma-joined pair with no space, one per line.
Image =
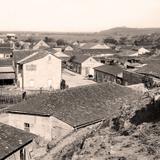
125,31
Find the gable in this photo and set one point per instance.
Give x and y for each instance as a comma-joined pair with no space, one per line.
91,60
100,46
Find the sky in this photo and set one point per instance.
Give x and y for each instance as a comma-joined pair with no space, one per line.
77,15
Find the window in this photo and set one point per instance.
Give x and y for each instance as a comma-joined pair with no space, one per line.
27,127
31,67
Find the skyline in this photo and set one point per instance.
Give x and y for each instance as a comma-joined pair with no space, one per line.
78,15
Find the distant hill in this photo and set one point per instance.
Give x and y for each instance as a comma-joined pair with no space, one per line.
125,31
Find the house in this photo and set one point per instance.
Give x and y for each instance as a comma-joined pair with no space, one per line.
11,36
58,49
81,44
130,77
83,64
64,57
7,72
5,51
39,70
148,74
75,43
15,144
41,45
95,46
113,73
68,48
53,116
142,50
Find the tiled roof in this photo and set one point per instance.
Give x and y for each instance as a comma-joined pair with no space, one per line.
152,68
12,139
90,45
79,58
95,52
21,54
5,50
5,45
81,105
35,56
111,69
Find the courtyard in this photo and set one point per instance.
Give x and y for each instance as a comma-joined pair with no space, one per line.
74,80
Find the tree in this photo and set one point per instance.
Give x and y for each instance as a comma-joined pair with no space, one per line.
122,40
30,39
110,40
60,42
48,39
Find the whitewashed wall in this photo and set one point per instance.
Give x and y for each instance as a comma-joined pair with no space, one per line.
90,63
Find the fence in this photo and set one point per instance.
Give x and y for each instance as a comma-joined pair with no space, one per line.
10,97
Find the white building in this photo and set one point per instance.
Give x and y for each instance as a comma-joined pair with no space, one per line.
40,70
84,64
41,45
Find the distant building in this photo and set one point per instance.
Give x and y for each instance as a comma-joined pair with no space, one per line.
41,45
105,73
58,49
75,43
148,74
11,36
140,52
95,46
15,144
39,70
83,64
61,55
143,51
6,51
7,72
56,115
81,44
68,48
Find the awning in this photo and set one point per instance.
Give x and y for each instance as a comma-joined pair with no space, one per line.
7,76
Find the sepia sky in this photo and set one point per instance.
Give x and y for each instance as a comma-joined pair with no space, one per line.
77,15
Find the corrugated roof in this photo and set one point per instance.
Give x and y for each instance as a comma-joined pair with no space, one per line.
6,69
81,105
111,69
7,76
12,139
